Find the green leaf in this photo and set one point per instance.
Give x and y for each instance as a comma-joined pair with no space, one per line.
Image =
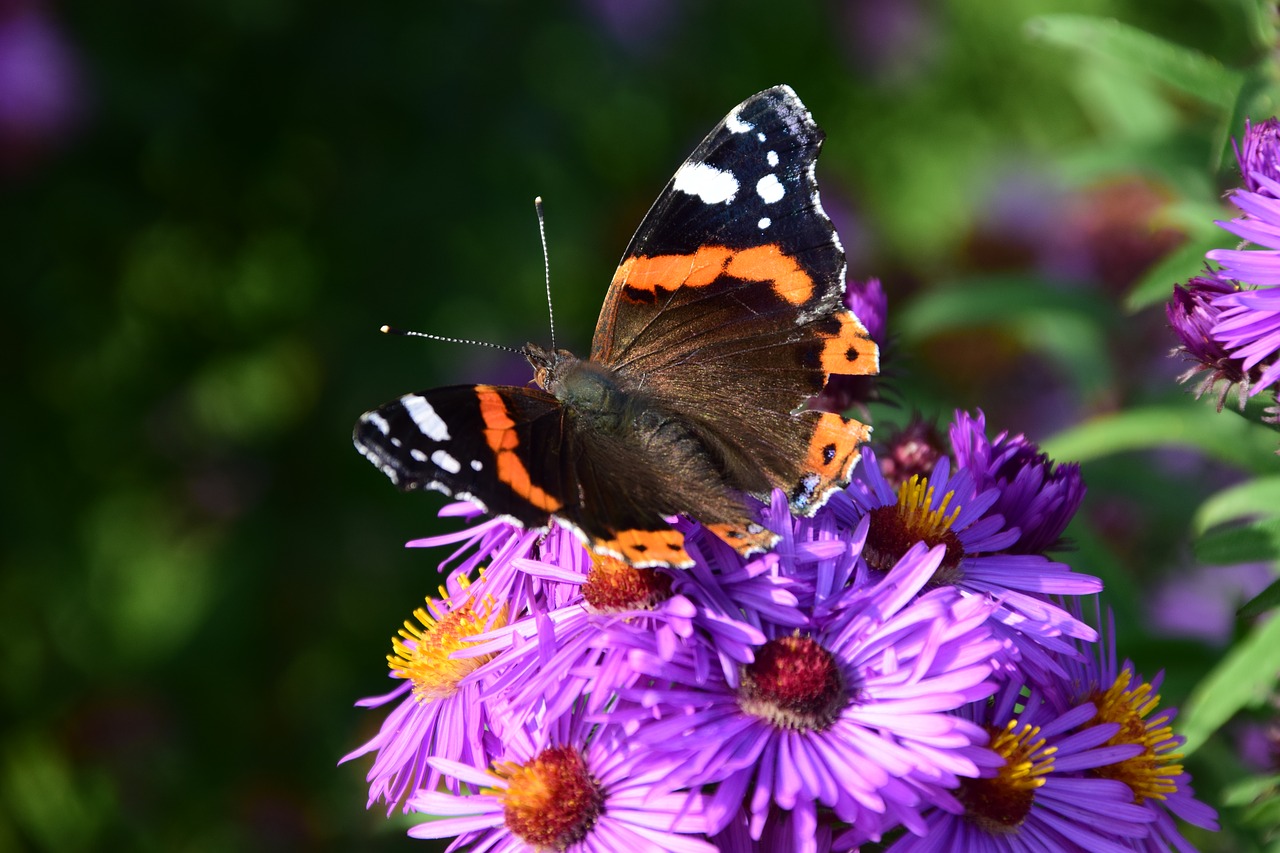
1249,789
1268,599
1259,497
1244,678
1185,69
1219,435
1156,284
1066,325
1242,543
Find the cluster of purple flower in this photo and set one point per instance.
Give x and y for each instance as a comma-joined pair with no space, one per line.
1228,319
905,667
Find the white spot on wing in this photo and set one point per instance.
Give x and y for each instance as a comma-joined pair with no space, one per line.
432,426
418,455
712,185
764,223
475,465
761,136
770,188
772,157
735,124
378,421
445,462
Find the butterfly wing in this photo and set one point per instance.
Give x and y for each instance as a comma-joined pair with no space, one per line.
471,442
517,454
728,304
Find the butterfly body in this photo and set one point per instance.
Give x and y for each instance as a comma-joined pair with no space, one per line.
724,317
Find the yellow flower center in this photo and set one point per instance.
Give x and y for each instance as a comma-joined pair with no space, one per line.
423,653
999,804
1150,773
894,529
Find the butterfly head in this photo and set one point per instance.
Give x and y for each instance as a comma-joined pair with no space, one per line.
550,366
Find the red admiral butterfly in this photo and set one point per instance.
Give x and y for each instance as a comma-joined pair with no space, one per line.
724,317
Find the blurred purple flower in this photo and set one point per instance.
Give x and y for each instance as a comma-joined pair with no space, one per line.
41,89
912,451
1200,602
635,24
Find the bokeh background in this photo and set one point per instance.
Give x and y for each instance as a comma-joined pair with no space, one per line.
207,209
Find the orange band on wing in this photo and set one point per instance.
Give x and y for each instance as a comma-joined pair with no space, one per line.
759,263
833,446
745,537
851,350
499,432
647,547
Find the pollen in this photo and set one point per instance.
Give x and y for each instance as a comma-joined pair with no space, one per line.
552,802
794,683
1152,772
895,528
999,804
423,652
613,586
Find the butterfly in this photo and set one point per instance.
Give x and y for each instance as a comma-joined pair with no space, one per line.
724,317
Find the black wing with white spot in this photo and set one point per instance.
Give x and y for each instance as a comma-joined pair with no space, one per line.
474,442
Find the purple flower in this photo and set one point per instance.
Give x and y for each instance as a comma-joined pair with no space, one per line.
952,511
1193,313
1035,495
1247,324
1036,793
1153,772
1258,156
850,714
567,786
40,85
912,451
440,713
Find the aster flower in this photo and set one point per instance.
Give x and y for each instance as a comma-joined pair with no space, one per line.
440,712
1193,312
950,510
1036,795
1035,495
567,786
1248,320
1153,773
849,715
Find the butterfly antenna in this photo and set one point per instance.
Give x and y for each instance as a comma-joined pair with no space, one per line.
391,330
546,263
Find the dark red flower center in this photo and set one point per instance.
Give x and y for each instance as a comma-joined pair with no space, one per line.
795,683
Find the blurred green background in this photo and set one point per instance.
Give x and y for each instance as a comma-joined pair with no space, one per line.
209,208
